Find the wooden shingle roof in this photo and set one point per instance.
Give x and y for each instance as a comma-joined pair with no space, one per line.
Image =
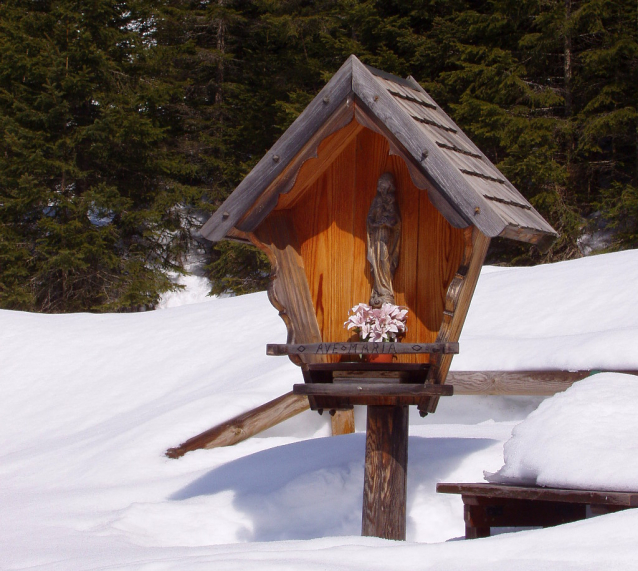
460,180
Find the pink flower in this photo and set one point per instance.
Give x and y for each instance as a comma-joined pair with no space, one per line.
377,325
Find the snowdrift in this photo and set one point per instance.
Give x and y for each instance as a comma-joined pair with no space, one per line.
89,404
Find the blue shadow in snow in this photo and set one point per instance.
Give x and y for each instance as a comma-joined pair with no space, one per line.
314,488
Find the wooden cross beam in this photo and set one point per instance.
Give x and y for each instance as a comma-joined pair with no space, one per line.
361,348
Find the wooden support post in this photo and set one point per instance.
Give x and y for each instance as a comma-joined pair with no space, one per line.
342,422
385,476
474,522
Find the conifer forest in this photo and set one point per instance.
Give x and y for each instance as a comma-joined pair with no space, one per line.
125,123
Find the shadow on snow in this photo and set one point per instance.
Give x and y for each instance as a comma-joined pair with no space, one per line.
314,488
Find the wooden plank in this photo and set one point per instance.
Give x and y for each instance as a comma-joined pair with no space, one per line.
342,422
491,491
367,366
288,290
282,152
349,348
385,473
540,383
352,390
244,425
457,303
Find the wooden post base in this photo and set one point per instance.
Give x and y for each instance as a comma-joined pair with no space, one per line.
385,476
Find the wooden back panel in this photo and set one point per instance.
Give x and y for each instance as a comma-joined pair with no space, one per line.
330,223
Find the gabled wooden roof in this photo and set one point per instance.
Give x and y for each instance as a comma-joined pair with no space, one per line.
460,180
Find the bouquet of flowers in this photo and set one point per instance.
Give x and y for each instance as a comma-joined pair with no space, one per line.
382,325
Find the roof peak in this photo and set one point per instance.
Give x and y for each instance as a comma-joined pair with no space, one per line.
460,180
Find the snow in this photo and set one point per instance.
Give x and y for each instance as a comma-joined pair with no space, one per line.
89,404
582,438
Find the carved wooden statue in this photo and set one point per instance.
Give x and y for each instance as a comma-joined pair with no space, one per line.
384,240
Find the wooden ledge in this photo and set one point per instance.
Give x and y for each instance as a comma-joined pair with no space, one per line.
340,396
361,348
538,493
353,389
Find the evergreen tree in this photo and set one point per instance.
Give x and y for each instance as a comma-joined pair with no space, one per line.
89,186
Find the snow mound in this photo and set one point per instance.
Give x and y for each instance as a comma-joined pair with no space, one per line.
583,438
579,314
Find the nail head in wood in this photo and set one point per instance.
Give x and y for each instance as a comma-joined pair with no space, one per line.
326,99
225,215
275,158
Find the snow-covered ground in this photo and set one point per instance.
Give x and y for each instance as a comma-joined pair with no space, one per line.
89,404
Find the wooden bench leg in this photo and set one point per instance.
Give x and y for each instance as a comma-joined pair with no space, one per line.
475,522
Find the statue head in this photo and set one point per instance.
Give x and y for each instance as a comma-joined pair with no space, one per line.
386,184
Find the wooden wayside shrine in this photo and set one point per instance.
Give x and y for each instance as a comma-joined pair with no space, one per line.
375,196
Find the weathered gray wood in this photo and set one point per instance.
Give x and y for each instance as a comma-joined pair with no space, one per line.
538,493
541,240
244,425
530,227
385,473
539,383
447,179
281,153
361,348
355,390
462,198
288,290
342,116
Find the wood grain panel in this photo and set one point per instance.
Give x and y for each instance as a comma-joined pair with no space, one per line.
330,222
288,290
328,150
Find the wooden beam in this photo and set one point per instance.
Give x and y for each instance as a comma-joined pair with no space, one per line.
361,348
353,390
244,425
252,422
385,472
336,125
539,493
275,161
457,303
342,422
532,383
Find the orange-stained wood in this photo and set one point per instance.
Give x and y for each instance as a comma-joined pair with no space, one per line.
328,150
288,290
329,219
